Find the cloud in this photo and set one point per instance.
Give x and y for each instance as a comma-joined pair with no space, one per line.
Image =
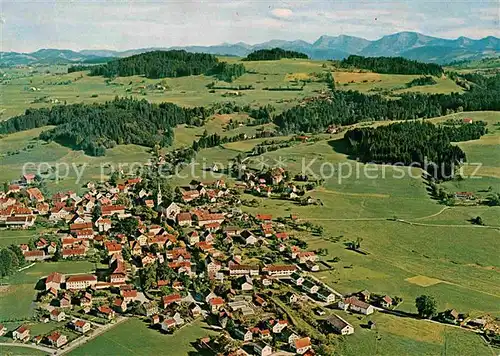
282,13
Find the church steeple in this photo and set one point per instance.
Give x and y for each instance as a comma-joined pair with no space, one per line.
158,197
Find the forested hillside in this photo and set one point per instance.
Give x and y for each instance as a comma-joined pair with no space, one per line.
391,65
349,107
93,128
273,54
163,64
413,142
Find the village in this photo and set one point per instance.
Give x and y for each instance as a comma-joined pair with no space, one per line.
193,256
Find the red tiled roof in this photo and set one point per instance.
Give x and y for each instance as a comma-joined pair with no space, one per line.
303,342
81,278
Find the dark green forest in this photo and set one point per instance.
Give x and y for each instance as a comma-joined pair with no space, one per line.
273,54
350,107
414,142
163,64
95,127
421,81
391,65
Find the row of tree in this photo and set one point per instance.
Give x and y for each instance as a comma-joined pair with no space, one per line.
413,143
426,80
391,65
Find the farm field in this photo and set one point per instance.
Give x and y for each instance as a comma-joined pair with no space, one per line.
133,337
14,351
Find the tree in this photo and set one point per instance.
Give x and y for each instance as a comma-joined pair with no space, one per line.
426,306
127,226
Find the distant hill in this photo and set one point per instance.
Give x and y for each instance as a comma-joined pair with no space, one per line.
409,45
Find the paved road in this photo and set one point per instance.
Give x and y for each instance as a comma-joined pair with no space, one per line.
29,346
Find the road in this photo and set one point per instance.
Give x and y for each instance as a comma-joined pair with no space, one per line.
30,346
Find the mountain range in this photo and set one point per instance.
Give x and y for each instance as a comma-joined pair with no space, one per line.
409,45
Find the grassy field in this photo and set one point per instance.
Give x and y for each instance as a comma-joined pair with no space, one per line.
14,351
398,336
133,337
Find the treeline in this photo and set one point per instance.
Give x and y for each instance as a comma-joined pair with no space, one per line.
227,72
391,65
95,127
350,107
158,64
79,68
273,54
414,142
421,81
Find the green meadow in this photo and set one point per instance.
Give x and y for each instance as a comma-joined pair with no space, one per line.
134,337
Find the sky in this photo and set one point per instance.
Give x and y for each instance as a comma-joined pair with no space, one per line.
28,25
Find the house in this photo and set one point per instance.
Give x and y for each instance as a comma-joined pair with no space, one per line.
155,319
386,302
19,222
365,295
310,287
297,279
28,178
112,248
81,281
3,330
236,269
354,304
467,120
110,210
129,295
57,339
464,195
168,324
170,299
54,280
326,295
73,252
232,231
178,319
312,266
103,224
292,297
22,333
65,301
243,334
35,255
279,325
339,325
57,315
195,310
81,326
104,311
245,283
216,304
264,217
52,248
302,345
86,299
34,194
305,256
262,349
150,308
280,270
193,238
184,219
120,305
